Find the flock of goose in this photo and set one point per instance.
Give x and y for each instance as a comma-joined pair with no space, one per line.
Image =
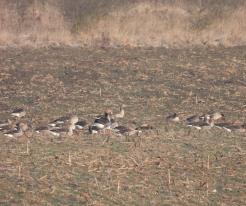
210,120
66,125
108,122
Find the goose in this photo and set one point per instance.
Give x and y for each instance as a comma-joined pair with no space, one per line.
122,130
207,123
173,118
94,129
101,122
12,126
145,127
59,128
5,123
6,126
121,114
62,131
195,118
80,124
59,122
67,129
230,127
21,128
19,112
43,129
216,116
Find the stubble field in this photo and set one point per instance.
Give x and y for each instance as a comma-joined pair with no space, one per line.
169,165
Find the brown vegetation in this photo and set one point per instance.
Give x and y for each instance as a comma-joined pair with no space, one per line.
123,23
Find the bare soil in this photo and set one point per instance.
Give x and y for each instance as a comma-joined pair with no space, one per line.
169,165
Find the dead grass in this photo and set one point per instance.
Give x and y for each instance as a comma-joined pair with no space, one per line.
39,24
171,165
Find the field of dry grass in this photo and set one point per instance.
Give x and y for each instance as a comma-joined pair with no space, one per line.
162,23
170,165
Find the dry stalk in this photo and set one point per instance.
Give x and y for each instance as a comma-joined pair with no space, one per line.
19,170
27,147
169,177
207,186
69,159
118,187
187,182
97,183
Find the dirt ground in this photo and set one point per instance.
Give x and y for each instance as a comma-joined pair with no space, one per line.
169,165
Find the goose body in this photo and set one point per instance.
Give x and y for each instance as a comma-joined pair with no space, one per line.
94,129
14,133
19,112
122,130
43,129
80,124
101,122
59,122
207,124
195,119
145,127
62,131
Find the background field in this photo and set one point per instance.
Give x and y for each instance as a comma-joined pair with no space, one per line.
170,165
159,23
